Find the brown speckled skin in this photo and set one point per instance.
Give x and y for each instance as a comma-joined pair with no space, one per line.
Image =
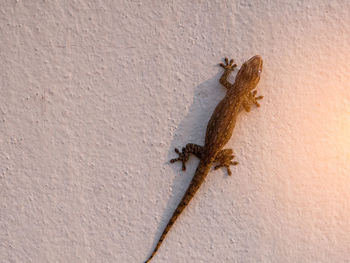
240,94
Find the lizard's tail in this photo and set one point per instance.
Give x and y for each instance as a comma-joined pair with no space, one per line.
198,178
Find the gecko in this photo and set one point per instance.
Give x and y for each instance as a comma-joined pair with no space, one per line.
240,95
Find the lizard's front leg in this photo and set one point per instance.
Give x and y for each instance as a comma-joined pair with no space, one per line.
190,148
224,158
229,67
251,99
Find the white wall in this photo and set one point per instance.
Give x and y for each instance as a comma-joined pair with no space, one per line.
95,95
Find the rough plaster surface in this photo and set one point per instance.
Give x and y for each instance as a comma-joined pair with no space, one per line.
96,94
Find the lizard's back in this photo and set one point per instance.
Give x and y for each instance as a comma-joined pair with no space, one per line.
222,123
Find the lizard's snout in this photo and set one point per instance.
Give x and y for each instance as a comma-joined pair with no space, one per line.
257,63
256,60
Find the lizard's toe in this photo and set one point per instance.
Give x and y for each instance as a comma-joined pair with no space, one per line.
174,160
217,167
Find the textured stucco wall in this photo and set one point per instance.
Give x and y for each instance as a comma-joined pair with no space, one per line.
95,95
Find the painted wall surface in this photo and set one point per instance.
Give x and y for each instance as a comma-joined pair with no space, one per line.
95,96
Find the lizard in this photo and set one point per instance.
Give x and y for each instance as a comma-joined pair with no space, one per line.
240,95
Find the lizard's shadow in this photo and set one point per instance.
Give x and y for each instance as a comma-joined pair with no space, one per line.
190,130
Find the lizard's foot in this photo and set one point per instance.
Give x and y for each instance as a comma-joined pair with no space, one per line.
250,100
254,99
186,152
224,158
183,157
228,66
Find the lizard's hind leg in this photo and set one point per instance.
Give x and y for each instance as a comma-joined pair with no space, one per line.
190,148
224,158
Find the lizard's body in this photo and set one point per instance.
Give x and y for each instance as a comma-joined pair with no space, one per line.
239,95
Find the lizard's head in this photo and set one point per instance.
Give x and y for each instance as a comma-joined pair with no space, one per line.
249,73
